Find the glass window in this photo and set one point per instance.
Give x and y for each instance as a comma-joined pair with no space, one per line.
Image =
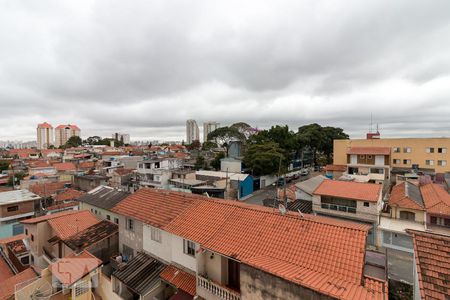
108,217
396,161
407,215
429,162
396,150
429,150
155,234
442,162
442,150
189,247
406,161
116,220
12,208
366,204
130,224
407,150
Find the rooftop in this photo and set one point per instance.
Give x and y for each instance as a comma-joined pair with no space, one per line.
436,199
91,235
47,217
104,197
432,257
66,166
73,267
47,189
68,194
17,196
349,190
223,175
310,185
7,287
70,224
406,195
180,279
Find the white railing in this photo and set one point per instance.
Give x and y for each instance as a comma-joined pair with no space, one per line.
217,289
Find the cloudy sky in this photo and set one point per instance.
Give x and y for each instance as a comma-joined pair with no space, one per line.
144,67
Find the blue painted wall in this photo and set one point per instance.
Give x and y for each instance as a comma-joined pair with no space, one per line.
246,187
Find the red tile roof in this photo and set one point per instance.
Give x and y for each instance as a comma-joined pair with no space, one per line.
68,194
7,287
13,238
40,164
73,127
47,189
369,150
86,165
5,272
44,125
432,257
398,197
63,205
71,224
46,217
155,207
327,257
67,166
122,171
436,199
74,267
180,279
349,190
335,168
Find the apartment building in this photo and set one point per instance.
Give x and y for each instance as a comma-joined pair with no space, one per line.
369,164
209,127
360,202
44,135
15,206
64,132
429,155
192,131
192,245
156,172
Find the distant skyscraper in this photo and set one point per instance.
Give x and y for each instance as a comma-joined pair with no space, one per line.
44,135
192,132
209,127
123,137
64,132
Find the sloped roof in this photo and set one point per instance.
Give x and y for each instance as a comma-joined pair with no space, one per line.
155,207
436,199
91,235
71,224
73,127
123,171
432,257
337,168
180,279
104,197
349,190
44,125
7,287
68,194
47,189
310,185
47,217
141,273
369,150
66,166
258,236
406,195
73,267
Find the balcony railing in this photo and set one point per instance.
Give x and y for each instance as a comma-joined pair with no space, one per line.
339,208
216,289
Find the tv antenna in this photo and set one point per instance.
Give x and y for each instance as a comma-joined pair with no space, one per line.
300,213
282,209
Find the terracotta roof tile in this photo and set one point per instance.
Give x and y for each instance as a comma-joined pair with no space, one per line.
436,199
399,197
7,287
337,168
369,150
47,189
68,194
86,165
432,256
5,272
180,279
73,267
63,205
73,127
44,125
71,224
123,171
67,166
47,217
349,190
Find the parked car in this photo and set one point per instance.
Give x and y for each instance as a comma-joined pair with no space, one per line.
304,172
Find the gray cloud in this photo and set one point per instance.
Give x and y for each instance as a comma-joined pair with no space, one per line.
147,66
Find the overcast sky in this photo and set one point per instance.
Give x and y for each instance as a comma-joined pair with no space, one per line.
144,67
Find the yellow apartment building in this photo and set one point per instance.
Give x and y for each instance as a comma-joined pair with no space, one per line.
405,153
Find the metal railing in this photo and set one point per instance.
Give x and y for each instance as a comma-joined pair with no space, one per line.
339,208
216,289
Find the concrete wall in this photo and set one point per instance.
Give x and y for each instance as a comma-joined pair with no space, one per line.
256,285
163,250
101,213
132,239
179,257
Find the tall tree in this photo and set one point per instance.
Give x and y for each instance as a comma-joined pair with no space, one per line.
224,135
329,135
265,159
73,141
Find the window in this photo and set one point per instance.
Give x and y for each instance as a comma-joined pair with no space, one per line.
127,252
442,150
440,221
429,162
406,161
429,150
362,156
407,150
396,161
369,156
13,208
26,231
32,238
155,234
366,204
396,150
407,215
92,210
95,211
338,204
189,247
442,163
130,224
108,217
116,220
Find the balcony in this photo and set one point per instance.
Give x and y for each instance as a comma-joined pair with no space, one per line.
341,208
208,289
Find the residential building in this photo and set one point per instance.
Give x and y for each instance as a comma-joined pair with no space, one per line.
15,206
64,132
231,165
368,164
239,185
431,265
157,172
209,127
89,182
122,137
44,135
9,287
101,200
230,250
192,132
360,202
121,178
15,251
426,155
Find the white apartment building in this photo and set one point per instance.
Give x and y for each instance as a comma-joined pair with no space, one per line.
192,132
123,137
64,132
44,135
209,127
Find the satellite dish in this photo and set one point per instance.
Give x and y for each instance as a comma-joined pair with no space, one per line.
282,209
300,213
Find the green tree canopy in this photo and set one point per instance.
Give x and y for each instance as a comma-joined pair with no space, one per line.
224,135
264,159
216,161
73,141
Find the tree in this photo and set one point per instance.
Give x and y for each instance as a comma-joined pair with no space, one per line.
245,129
224,135
208,145
4,165
216,161
200,163
329,135
265,159
195,145
73,141
93,140
18,177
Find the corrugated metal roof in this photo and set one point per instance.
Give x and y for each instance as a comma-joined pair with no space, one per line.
104,197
